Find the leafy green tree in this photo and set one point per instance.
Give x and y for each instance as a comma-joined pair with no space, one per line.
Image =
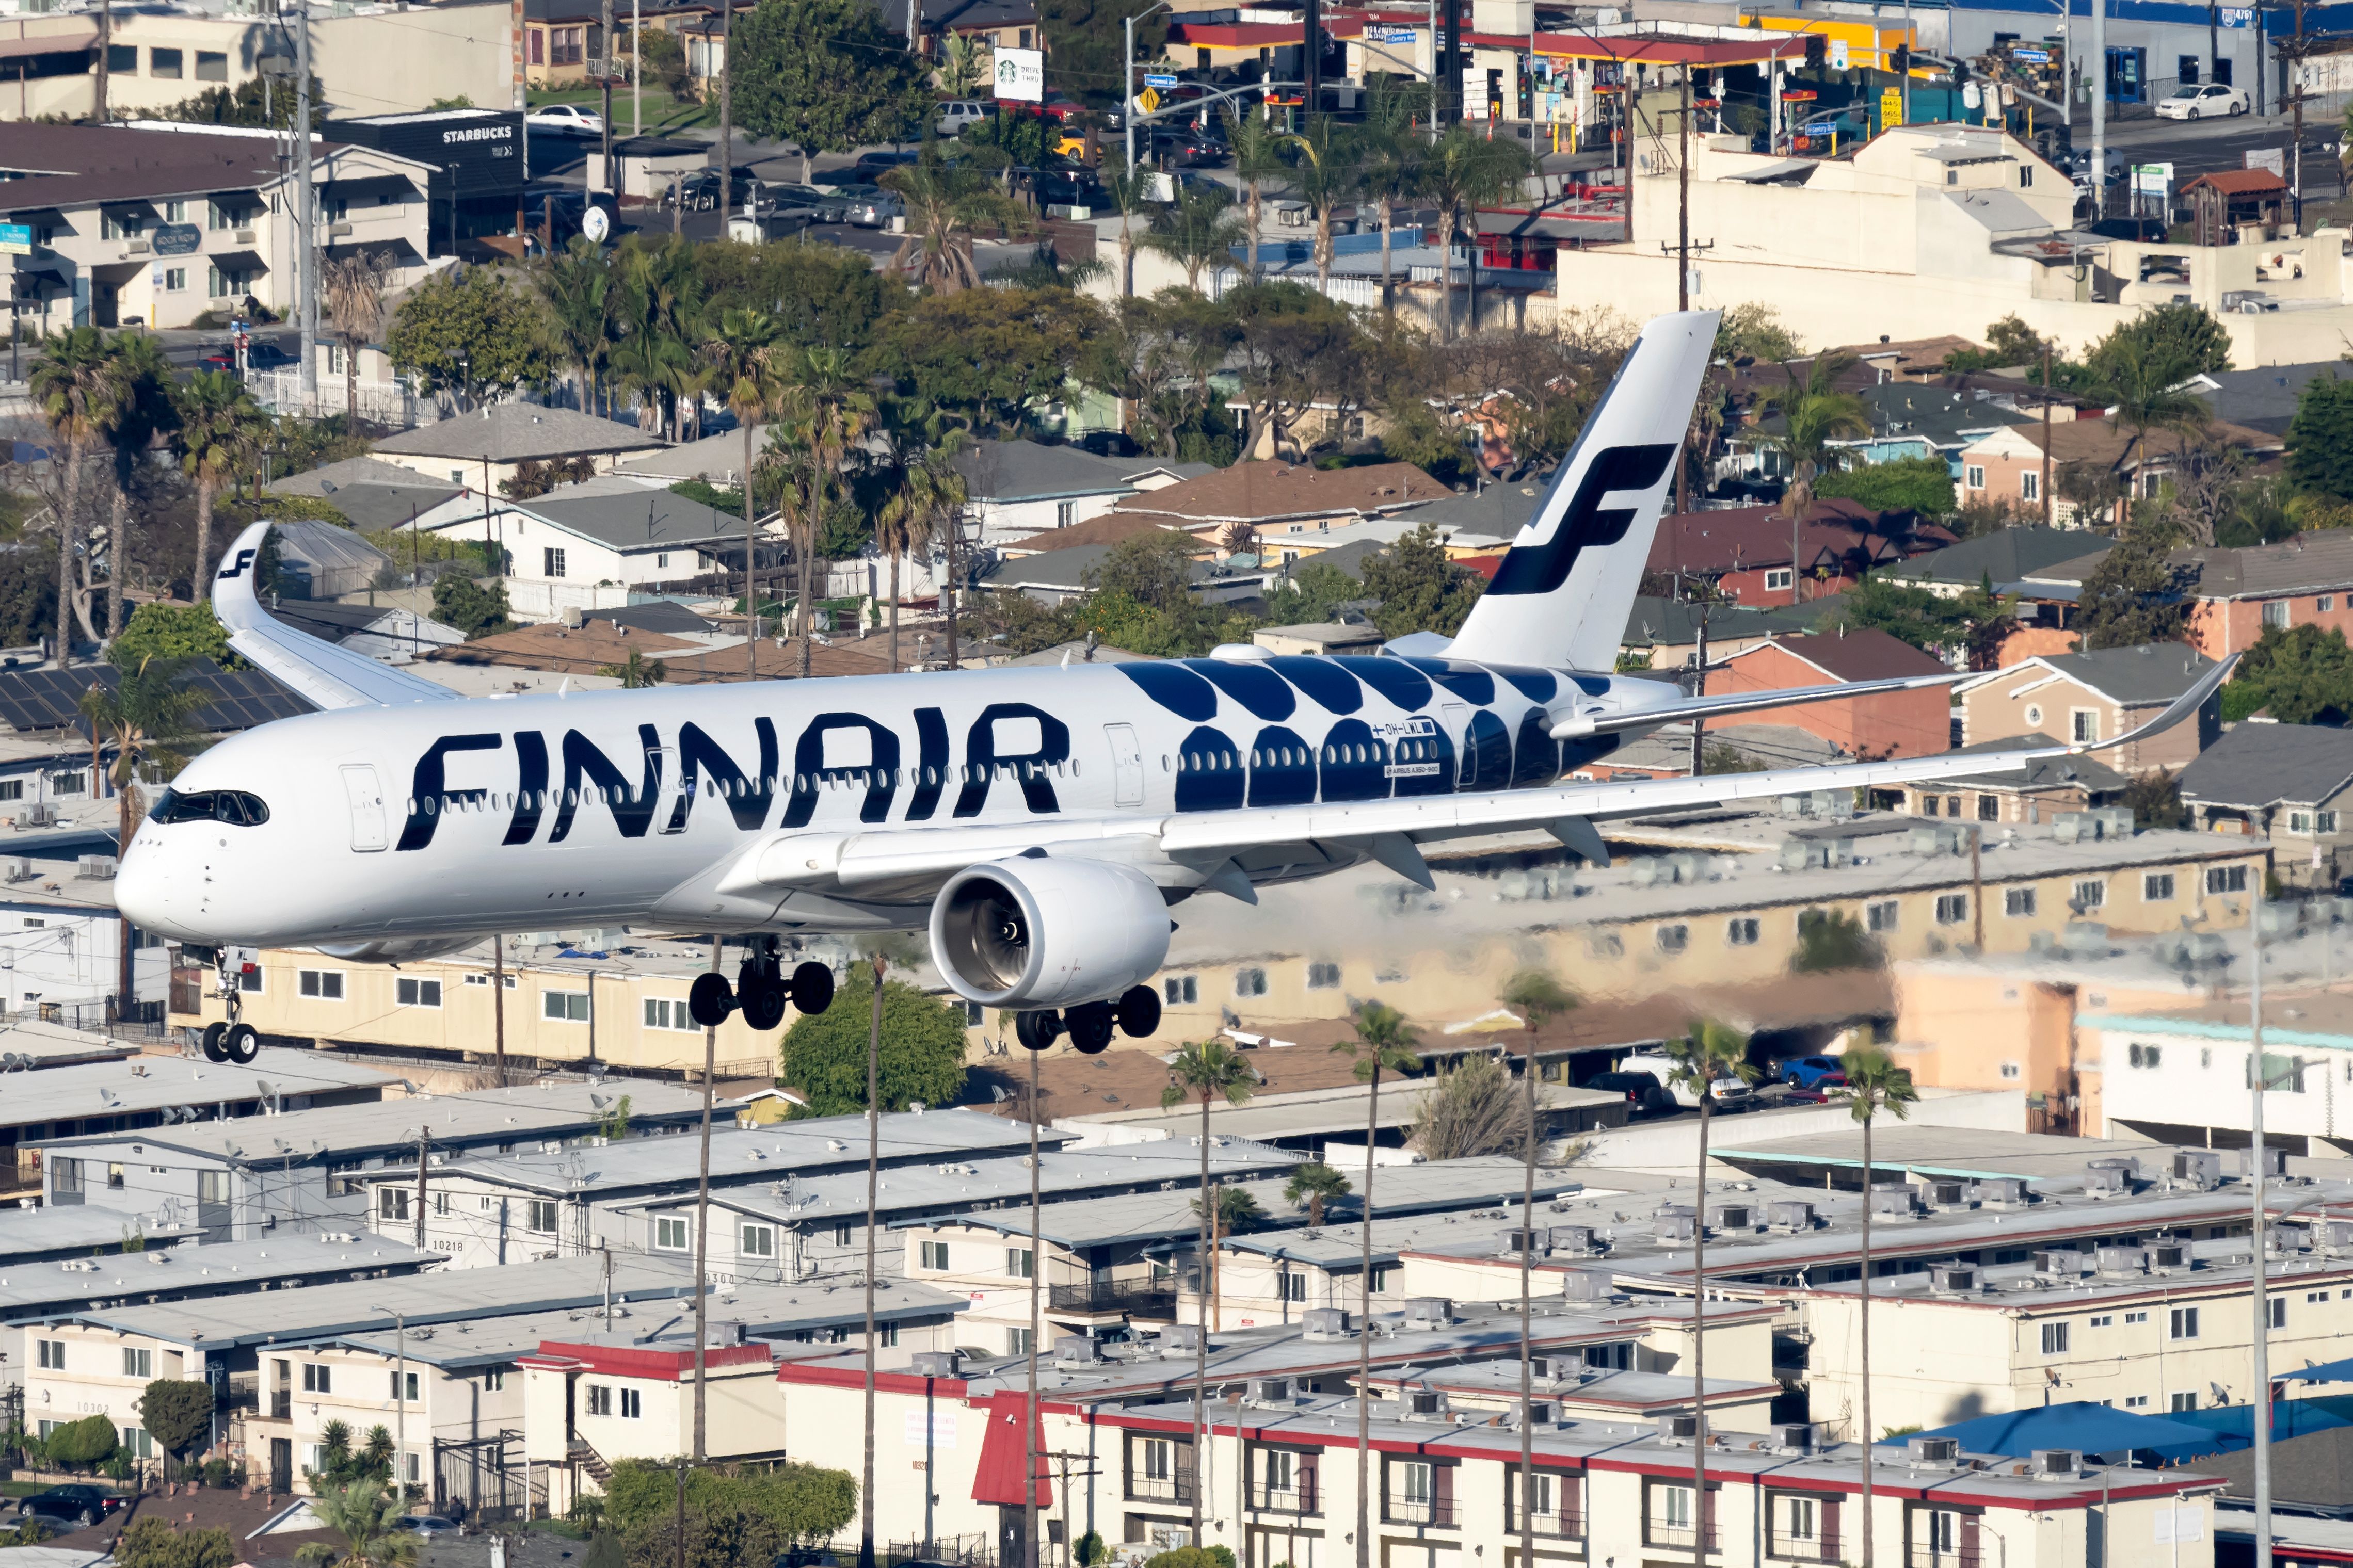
1389,161
2155,796
1463,171
1472,1110
219,429
2320,438
948,199
577,285
1419,588
1828,940
2300,674
162,630
1314,1185
826,74
1327,177
2134,595
152,1542
1310,594
177,1412
797,1503
1924,485
1874,1084
71,384
2142,374
824,1054
1198,231
1813,414
363,1515
2185,335
1754,331
2009,342
461,603
470,334
985,358
636,671
89,1441
819,294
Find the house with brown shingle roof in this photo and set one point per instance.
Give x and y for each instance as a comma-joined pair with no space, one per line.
2008,465
2306,579
1271,497
1914,723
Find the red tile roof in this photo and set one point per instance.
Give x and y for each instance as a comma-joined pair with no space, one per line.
2241,183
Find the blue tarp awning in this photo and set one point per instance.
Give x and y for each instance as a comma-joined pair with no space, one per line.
2233,1427
2321,1371
2079,1425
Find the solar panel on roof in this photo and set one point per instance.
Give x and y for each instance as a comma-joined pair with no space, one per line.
34,699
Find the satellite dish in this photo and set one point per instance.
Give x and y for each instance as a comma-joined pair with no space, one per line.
596,224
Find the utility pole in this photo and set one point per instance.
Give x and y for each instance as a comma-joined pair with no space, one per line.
703,1213
2261,1251
1682,200
727,139
874,1171
400,1405
2046,433
499,1009
2296,135
423,1131
605,83
306,271
2099,78
1126,88
1311,63
1030,1556
1699,689
637,78
105,54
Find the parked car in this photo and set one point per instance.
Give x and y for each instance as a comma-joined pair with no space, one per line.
1811,1072
823,205
425,1524
74,1505
810,1557
260,355
563,119
566,209
1070,188
1058,106
1072,146
1723,1094
871,206
1646,1096
700,190
1184,147
957,115
870,165
2139,230
2203,102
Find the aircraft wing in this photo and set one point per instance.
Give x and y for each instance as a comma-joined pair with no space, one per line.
329,676
1201,846
1593,718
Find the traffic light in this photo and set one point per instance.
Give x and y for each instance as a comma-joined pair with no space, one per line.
1899,59
1818,51
1960,73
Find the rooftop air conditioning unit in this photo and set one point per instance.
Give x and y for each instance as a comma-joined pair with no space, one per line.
1934,1453
1953,1279
1326,1323
1674,1222
2064,1261
97,868
2120,1262
2198,1170
2164,1257
1789,1217
1682,1431
2275,1161
1945,1192
1575,1240
1519,1239
2106,1182
935,1363
1894,1198
1270,1390
1077,1350
1185,1337
21,870
1535,1413
2290,1237
1587,1285
1732,1216
1428,1312
1422,1404
2336,1235
1795,1437
2062,1463
2002,1193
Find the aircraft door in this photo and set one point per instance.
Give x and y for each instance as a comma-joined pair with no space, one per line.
1126,764
1456,719
671,804
366,797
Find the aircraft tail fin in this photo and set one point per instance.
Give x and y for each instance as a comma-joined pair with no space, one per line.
327,675
1562,593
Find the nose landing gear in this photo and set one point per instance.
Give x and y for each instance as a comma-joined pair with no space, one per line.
1091,1025
234,1041
761,990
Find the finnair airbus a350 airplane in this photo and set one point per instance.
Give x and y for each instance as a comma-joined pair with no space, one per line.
1039,823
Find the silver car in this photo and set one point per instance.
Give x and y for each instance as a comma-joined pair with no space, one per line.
870,206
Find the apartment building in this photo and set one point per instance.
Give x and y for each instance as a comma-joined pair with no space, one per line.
99,1357
492,1209
2183,1070
2081,698
1277,1475
1914,724
2291,783
238,1180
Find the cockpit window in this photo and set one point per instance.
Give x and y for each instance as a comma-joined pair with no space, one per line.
237,807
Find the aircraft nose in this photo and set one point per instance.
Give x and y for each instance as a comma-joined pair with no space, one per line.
142,892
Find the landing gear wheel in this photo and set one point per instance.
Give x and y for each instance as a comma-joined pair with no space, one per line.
1090,1025
1139,1011
240,1044
710,999
1036,1031
209,1042
762,1003
812,988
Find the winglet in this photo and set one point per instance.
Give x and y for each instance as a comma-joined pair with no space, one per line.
329,676
2180,708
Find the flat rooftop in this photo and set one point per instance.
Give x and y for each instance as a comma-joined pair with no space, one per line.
1338,1111
1900,1148
146,1084
36,1044
348,1135
172,1270
27,1236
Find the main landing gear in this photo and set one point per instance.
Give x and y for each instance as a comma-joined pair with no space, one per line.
1091,1025
235,1041
761,990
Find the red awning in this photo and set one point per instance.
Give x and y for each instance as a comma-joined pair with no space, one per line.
997,1477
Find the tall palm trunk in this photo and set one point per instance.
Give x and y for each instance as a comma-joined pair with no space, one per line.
751,579
75,452
1527,1309
117,553
895,554
1388,222
1446,272
1699,1342
351,389
805,615
1324,251
874,1164
203,575
1201,1336
1256,198
1864,1312
948,592
1365,1334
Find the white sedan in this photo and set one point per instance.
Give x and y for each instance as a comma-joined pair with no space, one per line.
2203,103
563,119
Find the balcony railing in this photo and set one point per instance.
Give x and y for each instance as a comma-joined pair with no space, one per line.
1177,1488
1113,1296
1921,1556
1301,1498
1546,1525
1656,1532
1442,1514
1787,1549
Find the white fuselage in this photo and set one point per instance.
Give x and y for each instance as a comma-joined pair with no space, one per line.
436,819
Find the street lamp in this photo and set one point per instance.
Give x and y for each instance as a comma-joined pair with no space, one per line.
1127,80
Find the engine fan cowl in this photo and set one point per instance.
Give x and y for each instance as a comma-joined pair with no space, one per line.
1039,932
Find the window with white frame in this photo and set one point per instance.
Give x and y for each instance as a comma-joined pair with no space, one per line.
600,1399
1952,909
1777,579
408,992
633,1404
1882,916
758,1241
1322,976
1741,931
668,1013
1973,476
934,1255
565,1006
2091,893
541,1217
1020,1262
2226,878
2275,611
1179,989
671,1235
2156,887
1249,982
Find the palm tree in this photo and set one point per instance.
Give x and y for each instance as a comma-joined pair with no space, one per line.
661,297
69,382
363,1515
1462,173
578,287
1258,158
928,493
946,200
1328,176
1383,1040
146,719
743,352
1392,153
827,410
1709,1053
1539,998
1129,189
1207,1069
353,285
1233,1210
1873,1083
1200,230
219,429
1315,1183
138,406
2144,380
1814,415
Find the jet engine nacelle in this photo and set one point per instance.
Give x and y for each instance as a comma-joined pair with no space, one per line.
1036,933
399,949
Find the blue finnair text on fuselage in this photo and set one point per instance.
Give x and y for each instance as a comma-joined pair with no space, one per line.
1184,736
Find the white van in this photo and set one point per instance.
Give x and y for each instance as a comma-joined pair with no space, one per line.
958,114
1723,1094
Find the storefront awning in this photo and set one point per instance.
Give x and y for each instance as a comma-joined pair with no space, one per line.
238,261
55,41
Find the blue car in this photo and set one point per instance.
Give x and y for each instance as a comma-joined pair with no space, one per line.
1811,1072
